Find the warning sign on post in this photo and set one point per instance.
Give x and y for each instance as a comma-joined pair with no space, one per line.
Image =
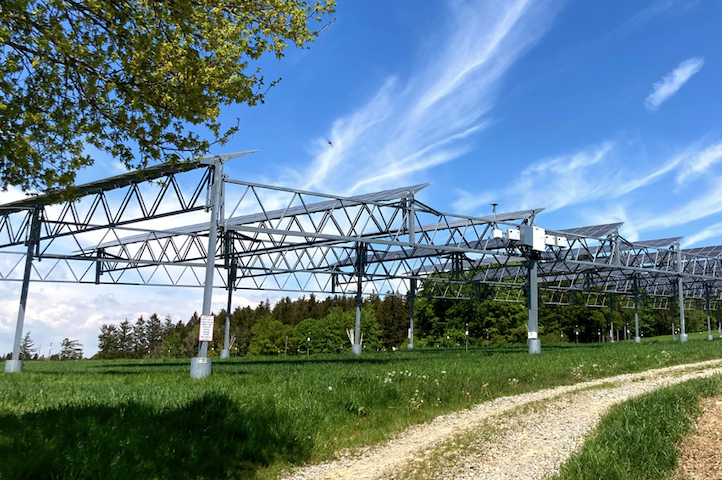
205,334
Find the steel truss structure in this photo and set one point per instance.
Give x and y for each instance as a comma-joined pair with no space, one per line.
263,237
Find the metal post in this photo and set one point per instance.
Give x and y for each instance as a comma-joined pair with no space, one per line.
360,262
201,365
226,352
706,308
671,315
16,365
682,330
719,318
637,338
412,295
533,307
611,317
680,291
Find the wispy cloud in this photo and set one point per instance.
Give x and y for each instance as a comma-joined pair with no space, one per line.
699,162
561,181
672,82
710,232
431,117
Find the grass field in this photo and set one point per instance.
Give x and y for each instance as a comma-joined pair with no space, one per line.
255,417
637,440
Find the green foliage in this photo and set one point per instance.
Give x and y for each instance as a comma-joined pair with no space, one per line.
637,439
133,78
27,348
71,350
269,336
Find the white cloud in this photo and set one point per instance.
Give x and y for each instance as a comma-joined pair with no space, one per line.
699,162
561,181
701,206
710,232
672,82
430,117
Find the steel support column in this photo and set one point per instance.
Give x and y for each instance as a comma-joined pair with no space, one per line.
637,338
706,309
682,329
226,352
412,296
611,317
533,307
16,364
360,269
201,365
719,318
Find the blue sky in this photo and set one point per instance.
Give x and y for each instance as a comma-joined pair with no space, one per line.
529,104
597,111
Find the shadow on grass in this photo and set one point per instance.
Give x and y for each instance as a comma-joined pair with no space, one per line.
208,438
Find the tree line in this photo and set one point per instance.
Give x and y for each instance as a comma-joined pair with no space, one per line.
307,325
69,350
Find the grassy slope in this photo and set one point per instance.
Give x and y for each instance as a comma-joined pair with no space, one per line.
253,417
636,440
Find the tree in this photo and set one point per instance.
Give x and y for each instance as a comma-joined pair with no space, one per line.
129,77
140,338
27,348
125,339
71,350
108,342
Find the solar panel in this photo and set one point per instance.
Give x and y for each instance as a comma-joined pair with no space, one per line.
594,231
711,251
659,243
273,215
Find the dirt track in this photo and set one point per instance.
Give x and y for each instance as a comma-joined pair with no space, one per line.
524,446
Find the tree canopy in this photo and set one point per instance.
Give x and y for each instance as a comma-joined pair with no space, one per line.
134,78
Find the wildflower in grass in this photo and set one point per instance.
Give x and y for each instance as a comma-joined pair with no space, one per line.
330,388
513,382
443,372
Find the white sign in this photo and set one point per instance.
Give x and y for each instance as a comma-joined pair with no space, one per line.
532,335
205,333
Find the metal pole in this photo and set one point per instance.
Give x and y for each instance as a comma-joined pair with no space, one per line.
533,307
360,260
719,318
706,307
16,365
226,352
412,296
637,338
671,315
611,317
682,332
680,291
201,365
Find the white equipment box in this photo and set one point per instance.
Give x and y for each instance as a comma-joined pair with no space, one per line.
533,236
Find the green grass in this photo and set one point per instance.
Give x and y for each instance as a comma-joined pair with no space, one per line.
255,417
637,439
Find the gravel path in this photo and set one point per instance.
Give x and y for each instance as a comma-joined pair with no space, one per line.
528,447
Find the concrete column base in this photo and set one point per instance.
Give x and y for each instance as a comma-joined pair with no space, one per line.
200,367
534,346
13,366
709,336
683,337
637,339
356,349
410,346
225,353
